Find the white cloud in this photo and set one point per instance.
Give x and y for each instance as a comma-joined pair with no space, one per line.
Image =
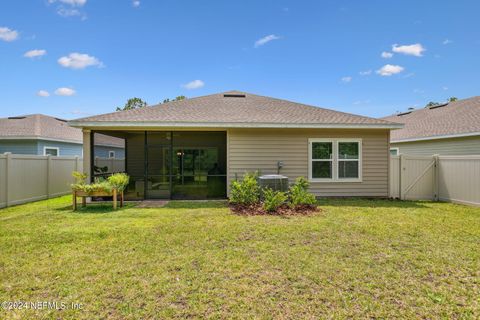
70,8
65,92
35,53
389,69
74,3
365,73
346,79
67,12
7,34
412,50
195,84
446,41
266,39
77,60
386,55
445,88
136,3
43,93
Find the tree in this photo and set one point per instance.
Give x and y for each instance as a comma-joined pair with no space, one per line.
452,99
178,98
133,103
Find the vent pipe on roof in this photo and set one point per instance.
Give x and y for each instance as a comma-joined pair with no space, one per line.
234,95
438,106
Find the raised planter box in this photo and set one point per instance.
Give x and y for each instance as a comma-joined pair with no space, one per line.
114,194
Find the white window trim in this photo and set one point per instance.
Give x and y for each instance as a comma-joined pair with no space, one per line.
110,157
46,147
398,151
335,160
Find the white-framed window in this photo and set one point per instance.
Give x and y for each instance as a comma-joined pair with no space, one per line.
51,151
394,151
335,160
111,154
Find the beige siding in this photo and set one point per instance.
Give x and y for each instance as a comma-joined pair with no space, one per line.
454,146
260,149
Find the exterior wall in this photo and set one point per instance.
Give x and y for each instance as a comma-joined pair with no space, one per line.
102,152
260,149
65,148
35,147
454,146
19,146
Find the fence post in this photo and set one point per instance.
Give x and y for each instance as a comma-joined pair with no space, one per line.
436,171
401,162
49,165
75,165
8,177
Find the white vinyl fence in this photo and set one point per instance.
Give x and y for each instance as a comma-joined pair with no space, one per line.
26,178
445,178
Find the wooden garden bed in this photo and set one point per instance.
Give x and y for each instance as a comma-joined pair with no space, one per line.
84,195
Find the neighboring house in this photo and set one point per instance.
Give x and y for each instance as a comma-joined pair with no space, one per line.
193,148
446,129
38,134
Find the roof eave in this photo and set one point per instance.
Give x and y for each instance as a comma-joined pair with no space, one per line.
446,136
151,124
20,137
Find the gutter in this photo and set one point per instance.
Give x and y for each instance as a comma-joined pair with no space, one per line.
448,136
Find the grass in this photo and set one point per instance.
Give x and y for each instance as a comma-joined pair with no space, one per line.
357,258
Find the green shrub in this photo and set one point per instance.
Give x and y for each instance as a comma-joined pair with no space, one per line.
246,191
119,181
103,186
79,177
299,195
272,200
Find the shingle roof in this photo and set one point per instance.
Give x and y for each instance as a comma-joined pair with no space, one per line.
456,118
39,126
229,109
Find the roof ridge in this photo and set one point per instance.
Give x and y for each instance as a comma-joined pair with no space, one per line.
449,104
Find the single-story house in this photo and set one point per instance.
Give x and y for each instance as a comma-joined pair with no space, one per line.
447,129
39,134
193,148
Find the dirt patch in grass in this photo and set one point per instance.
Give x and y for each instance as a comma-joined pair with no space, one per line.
257,209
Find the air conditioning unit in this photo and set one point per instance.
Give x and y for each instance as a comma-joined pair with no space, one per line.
275,182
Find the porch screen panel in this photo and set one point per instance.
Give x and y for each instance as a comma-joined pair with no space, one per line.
135,151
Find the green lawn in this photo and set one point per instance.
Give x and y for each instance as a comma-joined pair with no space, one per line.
356,258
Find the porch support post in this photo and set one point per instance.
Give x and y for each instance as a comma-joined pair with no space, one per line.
87,156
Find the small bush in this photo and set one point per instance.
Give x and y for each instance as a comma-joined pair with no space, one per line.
246,191
119,181
299,195
272,200
79,177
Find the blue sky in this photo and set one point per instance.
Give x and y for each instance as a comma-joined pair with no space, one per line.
90,56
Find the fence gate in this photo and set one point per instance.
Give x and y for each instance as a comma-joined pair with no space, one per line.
413,177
